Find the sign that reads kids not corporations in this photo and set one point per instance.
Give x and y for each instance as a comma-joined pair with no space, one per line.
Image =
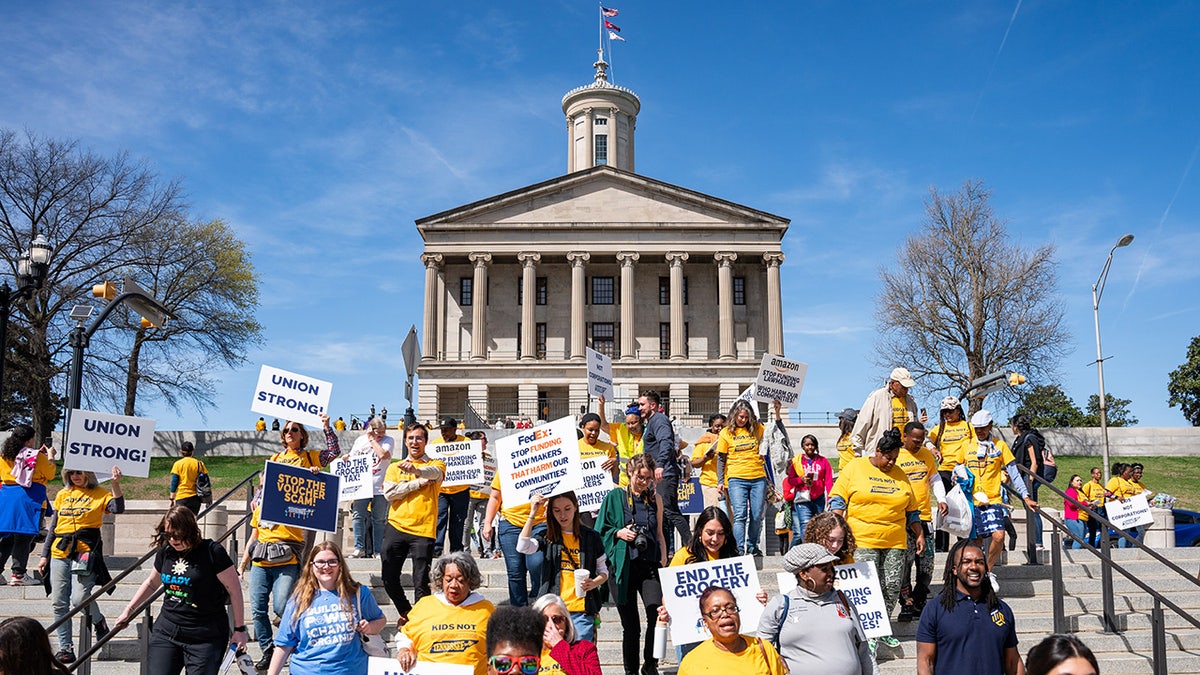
377,665
683,585
297,497
1132,512
543,460
100,441
356,475
464,461
596,483
600,376
290,396
861,585
779,378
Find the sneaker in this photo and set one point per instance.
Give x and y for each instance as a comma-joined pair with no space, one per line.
265,662
872,646
3,581
275,620
65,656
26,580
359,553
907,614
995,583
890,641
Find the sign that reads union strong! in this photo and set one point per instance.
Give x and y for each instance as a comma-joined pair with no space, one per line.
99,441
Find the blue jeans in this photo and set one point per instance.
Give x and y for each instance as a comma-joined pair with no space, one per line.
452,515
1037,518
66,591
585,625
270,585
374,522
802,512
1077,528
747,497
519,564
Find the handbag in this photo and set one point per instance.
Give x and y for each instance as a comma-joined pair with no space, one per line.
960,517
373,645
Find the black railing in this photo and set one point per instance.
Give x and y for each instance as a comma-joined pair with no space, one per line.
83,663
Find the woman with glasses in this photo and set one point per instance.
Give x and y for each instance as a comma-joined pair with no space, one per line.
295,446
191,632
562,648
814,626
454,615
75,554
327,619
728,651
514,641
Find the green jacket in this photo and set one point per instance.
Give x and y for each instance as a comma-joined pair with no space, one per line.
611,519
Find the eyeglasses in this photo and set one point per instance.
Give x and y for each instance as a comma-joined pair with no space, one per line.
718,612
644,479
325,563
292,430
526,665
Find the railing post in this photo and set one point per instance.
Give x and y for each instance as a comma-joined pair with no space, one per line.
1058,587
1031,554
85,640
144,641
1106,583
1159,636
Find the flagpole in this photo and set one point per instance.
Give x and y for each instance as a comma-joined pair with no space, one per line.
600,15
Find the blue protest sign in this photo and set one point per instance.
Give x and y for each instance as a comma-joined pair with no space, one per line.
297,497
691,498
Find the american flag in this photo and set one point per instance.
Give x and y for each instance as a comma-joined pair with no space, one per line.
606,11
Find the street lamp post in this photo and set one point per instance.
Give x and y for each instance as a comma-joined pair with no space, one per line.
31,274
1097,292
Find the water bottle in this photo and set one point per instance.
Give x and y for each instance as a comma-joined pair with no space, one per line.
660,640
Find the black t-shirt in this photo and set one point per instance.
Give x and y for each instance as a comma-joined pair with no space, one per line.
194,595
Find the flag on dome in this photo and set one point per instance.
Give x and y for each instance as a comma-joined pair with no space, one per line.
612,26
608,11
614,36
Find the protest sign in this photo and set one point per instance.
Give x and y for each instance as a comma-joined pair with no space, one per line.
290,396
779,378
682,586
600,375
297,497
595,484
378,665
99,441
356,475
543,460
861,586
1132,512
464,461
691,498
747,394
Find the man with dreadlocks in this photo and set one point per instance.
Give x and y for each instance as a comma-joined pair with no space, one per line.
968,630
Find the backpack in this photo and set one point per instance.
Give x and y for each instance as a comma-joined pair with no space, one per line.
204,487
1049,467
23,466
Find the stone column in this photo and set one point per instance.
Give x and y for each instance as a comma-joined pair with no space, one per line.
430,326
441,316
725,305
589,132
675,260
628,334
479,306
629,131
774,303
578,260
529,263
570,144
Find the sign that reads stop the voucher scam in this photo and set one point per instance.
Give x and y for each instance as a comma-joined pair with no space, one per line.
543,460
779,378
297,497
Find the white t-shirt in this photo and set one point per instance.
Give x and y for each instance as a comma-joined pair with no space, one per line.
362,446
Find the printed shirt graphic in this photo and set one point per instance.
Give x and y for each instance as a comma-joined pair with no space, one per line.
956,438
988,469
416,512
741,450
708,471
187,468
324,638
193,595
362,447
876,503
566,587
445,633
548,665
918,467
900,414
78,509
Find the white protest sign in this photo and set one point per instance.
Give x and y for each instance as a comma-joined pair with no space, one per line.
1132,512
378,665
747,394
779,378
290,396
597,482
600,375
100,441
464,461
356,475
543,460
682,586
861,584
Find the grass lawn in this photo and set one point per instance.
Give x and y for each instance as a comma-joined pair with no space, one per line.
1178,476
225,472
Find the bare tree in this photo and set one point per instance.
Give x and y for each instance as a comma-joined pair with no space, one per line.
963,300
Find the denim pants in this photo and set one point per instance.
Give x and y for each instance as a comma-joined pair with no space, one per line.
520,564
585,625
802,512
373,522
1077,528
747,498
269,587
66,591
452,514
1037,518
476,510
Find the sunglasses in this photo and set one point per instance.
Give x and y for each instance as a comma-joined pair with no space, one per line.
292,430
173,536
559,620
506,665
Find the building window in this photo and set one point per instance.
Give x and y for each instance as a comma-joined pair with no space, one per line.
739,290
601,121
603,291
539,288
664,290
664,340
539,339
466,291
604,338
601,149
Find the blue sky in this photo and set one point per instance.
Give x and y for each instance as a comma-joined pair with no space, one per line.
322,130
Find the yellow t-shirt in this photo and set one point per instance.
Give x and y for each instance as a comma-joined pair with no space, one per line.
339,425
681,556
260,425
548,665
917,467
845,450
566,582
708,471
304,458
708,658
1121,488
43,470
600,449
187,468
876,503
457,488
1093,492
900,414
415,513
516,515
444,633
956,438
274,534
78,509
627,446
988,470
740,448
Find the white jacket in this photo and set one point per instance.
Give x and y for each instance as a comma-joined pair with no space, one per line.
875,417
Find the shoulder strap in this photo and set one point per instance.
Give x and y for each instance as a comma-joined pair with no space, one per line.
852,614
787,604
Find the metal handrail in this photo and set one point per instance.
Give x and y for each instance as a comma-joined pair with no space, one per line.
88,649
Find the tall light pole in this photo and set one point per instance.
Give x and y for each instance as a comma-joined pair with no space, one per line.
1097,291
31,274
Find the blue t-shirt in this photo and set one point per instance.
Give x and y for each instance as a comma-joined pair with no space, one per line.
324,638
971,639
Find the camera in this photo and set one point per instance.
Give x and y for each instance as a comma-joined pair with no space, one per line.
641,540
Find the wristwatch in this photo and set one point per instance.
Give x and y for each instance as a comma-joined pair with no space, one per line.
240,629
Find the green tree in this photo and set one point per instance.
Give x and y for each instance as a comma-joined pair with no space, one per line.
1118,412
1183,384
1047,405
963,300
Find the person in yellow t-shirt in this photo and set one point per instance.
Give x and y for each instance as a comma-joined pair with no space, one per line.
339,425
1093,491
877,500
185,474
273,573
986,460
449,626
845,446
704,457
411,487
728,651
79,510
1121,487
627,436
742,473
917,462
952,436
260,425
21,500
452,501
508,531
591,446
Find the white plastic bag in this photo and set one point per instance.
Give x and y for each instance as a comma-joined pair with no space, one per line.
959,517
